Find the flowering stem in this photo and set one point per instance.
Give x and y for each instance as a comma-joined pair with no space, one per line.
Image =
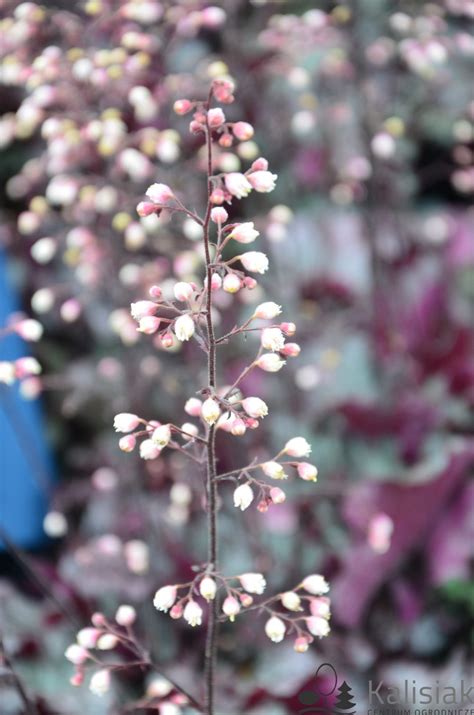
211,636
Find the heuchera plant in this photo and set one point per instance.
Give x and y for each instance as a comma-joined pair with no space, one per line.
212,595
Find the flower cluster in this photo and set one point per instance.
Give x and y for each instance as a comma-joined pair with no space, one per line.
25,369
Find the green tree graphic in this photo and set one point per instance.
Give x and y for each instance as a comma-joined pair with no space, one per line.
345,703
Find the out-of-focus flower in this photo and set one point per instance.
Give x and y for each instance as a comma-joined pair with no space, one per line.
254,261
165,598
243,496
253,582
160,193
244,232
126,422
100,682
297,447
315,584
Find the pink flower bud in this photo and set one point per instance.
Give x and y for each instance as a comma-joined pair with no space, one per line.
155,292
259,164
380,533
146,208
318,626
268,311
216,282
183,291
76,654
270,362
237,184
217,197
213,17
165,598
262,181
223,90
243,131
288,328
250,282
195,127
177,611
159,193
244,232
231,283
98,620
226,141
254,261
29,329
219,215
77,678
143,308
291,350
215,118
255,407
320,606
246,599
301,644
100,682
231,607
126,615
167,340
27,366
262,505
238,427
277,495
148,325
307,471
193,407
182,106
127,443
126,422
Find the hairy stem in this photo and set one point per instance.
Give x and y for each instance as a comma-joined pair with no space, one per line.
211,637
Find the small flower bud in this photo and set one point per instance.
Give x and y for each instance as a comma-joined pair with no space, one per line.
226,140
243,131
237,184
277,495
208,588
76,654
380,533
193,613
126,422
126,615
217,197
318,626
275,629
77,678
149,450
320,606
231,283
107,642
262,181
29,329
155,292
315,584
291,601
244,232
159,193
100,682
307,471
243,496
127,443
288,328
146,208
98,620
219,215
250,283
183,291
274,470
246,600
215,118
238,427
268,311
290,350
176,611
148,325
161,436
259,164
182,106
88,637
193,407
255,407
231,607
167,340
270,362
301,644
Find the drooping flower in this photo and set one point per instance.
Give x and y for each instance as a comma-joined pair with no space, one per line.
270,362
277,495
76,654
255,407
231,607
291,601
126,615
100,682
183,291
148,325
237,184
165,598
272,339
253,582
149,450
193,613
184,327
275,629
320,606
210,411
307,471
315,584
243,131
161,436
254,261
126,422
215,117
208,588
127,443
243,496
231,283
297,447
193,407
274,470
318,626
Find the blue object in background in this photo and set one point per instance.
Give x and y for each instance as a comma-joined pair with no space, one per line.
26,472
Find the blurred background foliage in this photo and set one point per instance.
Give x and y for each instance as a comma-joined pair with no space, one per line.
366,114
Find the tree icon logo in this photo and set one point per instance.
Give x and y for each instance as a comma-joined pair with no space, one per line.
318,700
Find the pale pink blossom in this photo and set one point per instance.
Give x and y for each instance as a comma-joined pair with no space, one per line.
254,261
160,193
307,471
148,325
255,407
76,654
243,497
288,328
126,422
270,362
149,450
274,470
297,447
126,615
244,232
193,407
143,308
100,682
182,106
231,607
301,644
219,215
231,283
259,164
272,339
161,436
27,366
277,495
184,327
88,637
127,443
318,626
243,131
315,584
210,411
107,641
253,582
146,208
29,329
193,613
380,533
215,118
208,588
183,291
275,629
290,350
216,282
320,606
165,598
262,181
237,184
291,601
267,311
